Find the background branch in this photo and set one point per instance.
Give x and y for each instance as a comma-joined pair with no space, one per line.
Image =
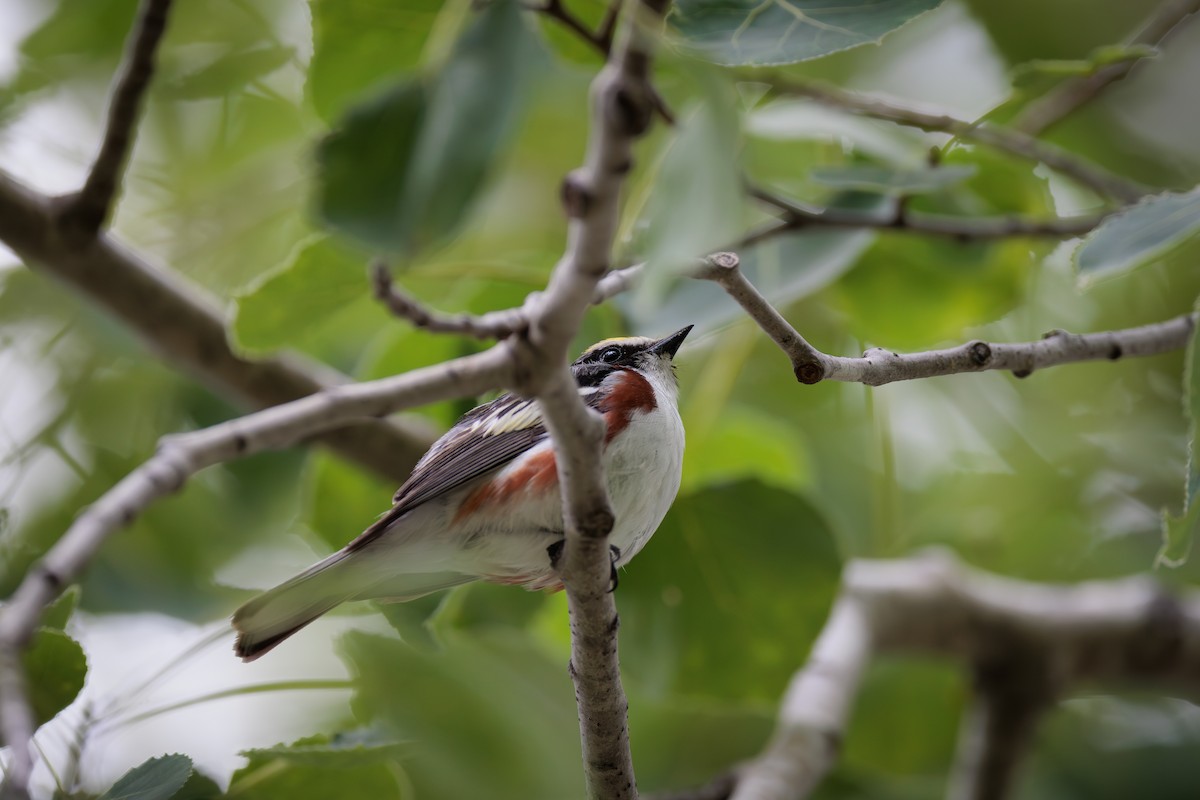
494,325
799,216
186,327
1117,632
1061,101
86,211
1011,141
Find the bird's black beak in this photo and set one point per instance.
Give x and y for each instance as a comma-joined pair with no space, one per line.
670,345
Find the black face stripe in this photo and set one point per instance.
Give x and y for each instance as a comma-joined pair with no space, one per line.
627,353
592,373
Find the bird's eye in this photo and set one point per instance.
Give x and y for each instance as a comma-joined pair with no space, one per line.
611,355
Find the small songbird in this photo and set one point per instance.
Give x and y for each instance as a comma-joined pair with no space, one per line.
484,504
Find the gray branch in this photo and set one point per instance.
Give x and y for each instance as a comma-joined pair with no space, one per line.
878,366
494,325
186,327
1122,632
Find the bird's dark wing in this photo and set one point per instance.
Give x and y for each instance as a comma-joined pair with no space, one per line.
485,438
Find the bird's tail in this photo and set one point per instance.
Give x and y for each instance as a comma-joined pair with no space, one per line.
277,613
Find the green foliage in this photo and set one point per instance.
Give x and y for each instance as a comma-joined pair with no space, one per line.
703,606
55,667
356,764
1179,532
1139,235
431,141
497,697
157,779
445,153
747,32
319,279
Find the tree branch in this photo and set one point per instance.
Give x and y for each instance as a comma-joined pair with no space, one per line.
494,325
622,110
86,211
878,366
1110,632
178,458
1012,141
1071,94
798,216
601,39
187,328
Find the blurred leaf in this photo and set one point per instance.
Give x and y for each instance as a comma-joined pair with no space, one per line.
894,692
405,167
892,180
696,203
1139,234
1178,533
479,696
680,743
157,779
55,667
230,71
58,613
358,44
745,443
784,269
320,278
414,619
750,32
71,41
320,767
703,605
354,748
343,499
482,605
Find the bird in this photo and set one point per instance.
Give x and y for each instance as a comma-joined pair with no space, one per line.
484,504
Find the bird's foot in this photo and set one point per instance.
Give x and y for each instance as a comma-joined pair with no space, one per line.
555,551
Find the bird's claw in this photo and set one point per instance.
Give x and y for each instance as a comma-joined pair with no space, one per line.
555,551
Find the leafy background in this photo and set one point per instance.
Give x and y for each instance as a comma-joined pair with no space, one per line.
237,185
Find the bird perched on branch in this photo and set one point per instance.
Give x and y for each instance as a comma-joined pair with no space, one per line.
484,503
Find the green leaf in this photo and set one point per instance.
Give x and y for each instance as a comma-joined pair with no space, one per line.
55,666
696,203
229,72
1139,234
746,443
1178,533
490,715
892,180
765,32
343,499
404,168
320,278
320,766
354,748
58,613
156,779
729,568
357,44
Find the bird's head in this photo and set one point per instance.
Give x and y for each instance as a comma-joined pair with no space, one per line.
651,357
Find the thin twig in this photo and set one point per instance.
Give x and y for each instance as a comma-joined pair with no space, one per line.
1110,632
798,216
186,327
878,366
1018,143
600,39
493,325
92,206
1061,101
